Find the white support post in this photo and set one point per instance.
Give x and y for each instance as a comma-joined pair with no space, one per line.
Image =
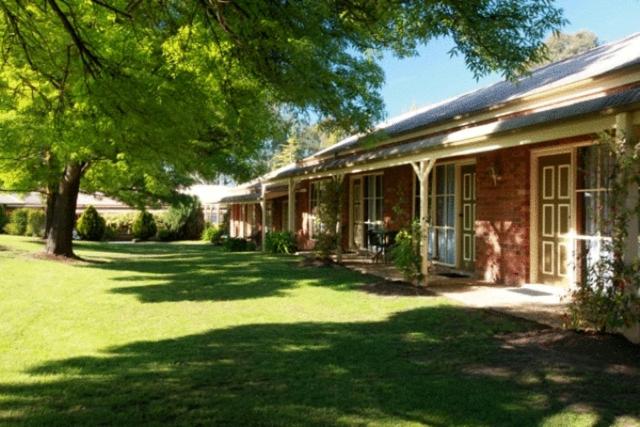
263,217
339,182
422,171
291,215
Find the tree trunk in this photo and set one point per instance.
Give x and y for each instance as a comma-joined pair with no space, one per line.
60,229
52,192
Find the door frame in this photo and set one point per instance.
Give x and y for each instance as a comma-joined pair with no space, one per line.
534,240
361,177
457,225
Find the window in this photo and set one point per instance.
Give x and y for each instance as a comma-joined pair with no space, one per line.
595,168
444,200
268,221
416,198
372,199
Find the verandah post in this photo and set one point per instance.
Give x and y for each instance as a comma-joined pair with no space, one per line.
291,214
422,171
263,217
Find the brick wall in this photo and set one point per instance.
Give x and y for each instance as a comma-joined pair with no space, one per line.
397,184
502,216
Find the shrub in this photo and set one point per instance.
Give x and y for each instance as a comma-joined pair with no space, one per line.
35,223
18,221
238,245
212,234
91,225
185,220
283,242
144,226
163,234
119,226
406,252
4,218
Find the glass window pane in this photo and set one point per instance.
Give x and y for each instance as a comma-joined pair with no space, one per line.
451,171
440,179
451,211
451,247
439,211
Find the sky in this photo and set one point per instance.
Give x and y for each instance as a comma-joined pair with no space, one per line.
434,76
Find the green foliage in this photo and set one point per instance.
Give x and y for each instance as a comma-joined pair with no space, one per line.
238,245
608,296
561,46
18,221
213,234
329,212
139,99
163,234
185,220
406,252
144,226
4,218
119,226
280,242
35,223
91,225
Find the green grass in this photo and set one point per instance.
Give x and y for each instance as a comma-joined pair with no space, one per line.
187,334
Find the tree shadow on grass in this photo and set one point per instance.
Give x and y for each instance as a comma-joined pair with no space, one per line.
440,366
205,273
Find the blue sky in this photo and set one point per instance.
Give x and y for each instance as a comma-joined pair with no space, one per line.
434,75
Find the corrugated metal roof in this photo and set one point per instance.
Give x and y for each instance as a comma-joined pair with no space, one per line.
241,198
629,97
598,61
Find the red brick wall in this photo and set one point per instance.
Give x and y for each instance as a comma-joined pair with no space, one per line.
397,184
502,216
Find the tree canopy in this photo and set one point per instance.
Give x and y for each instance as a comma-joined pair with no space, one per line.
136,98
560,46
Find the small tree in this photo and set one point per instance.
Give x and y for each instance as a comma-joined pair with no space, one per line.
91,225
144,226
406,252
330,210
184,220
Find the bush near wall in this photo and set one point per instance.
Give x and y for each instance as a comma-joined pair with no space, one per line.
18,221
119,227
144,226
280,242
4,218
90,225
184,221
35,223
238,245
213,234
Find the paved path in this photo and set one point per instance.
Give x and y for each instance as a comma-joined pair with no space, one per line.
540,303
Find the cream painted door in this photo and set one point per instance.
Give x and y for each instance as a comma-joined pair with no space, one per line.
468,215
554,217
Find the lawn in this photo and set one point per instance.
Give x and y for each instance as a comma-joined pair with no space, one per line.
188,334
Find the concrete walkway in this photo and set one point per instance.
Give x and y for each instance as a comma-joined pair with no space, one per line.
540,303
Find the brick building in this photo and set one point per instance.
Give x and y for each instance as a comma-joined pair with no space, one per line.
507,181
